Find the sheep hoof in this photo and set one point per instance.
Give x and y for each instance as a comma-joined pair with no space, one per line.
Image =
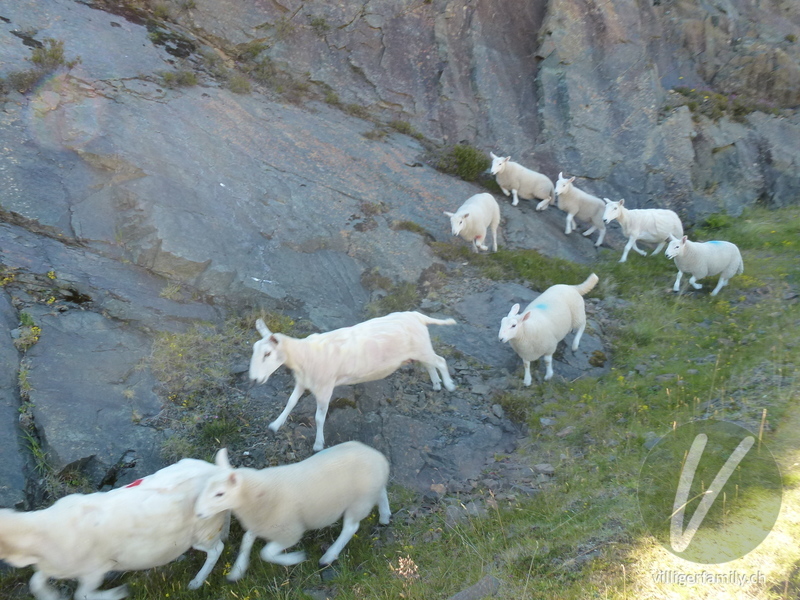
526,382
273,427
450,387
318,447
194,584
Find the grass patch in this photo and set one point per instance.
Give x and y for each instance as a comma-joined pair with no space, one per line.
46,58
715,105
399,297
462,160
180,78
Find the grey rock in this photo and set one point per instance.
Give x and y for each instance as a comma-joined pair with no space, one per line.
12,481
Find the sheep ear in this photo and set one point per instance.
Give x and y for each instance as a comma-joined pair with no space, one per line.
606,200
514,310
221,459
525,317
571,179
672,237
683,241
274,340
263,329
448,214
492,154
621,201
465,215
233,479
560,175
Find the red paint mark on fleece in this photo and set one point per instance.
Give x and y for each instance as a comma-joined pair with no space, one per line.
135,483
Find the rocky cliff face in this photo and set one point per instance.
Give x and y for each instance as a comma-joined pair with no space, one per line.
120,183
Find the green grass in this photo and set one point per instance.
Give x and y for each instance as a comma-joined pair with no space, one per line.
580,536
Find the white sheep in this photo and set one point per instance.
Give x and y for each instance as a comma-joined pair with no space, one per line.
478,213
579,204
515,179
704,259
366,351
545,322
652,225
281,503
142,525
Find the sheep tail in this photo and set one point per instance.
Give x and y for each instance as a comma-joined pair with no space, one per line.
588,285
426,320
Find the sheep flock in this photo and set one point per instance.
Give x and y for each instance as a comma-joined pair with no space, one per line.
187,505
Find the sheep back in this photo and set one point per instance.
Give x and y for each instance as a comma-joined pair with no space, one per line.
529,184
706,259
651,225
556,312
363,352
281,503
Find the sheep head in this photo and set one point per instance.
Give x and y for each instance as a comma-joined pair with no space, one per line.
498,163
457,221
511,325
267,356
563,184
219,494
675,246
613,210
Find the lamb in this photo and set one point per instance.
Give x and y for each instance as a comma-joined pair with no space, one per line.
577,203
704,259
367,351
472,219
521,182
142,525
281,503
652,225
545,322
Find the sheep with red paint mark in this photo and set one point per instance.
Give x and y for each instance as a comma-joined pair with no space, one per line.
471,221
84,536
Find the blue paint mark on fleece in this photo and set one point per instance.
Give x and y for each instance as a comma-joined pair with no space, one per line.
714,242
540,306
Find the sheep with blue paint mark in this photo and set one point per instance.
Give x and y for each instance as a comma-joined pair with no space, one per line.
704,259
546,321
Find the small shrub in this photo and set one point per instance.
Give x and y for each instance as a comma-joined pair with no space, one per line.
357,110
332,98
463,160
402,127
23,81
51,56
373,280
283,29
371,209
161,12
188,5
378,134
251,50
181,78
239,84
791,38
320,26
401,297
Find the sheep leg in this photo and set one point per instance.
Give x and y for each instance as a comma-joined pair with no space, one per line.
627,249
505,191
42,590
323,401
694,284
590,231
600,237
349,529
543,204
515,201
677,286
384,512
568,229
212,556
434,362
87,589
548,363
639,250
494,237
722,282
576,342
527,378
478,239
658,248
274,552
243,559
290,404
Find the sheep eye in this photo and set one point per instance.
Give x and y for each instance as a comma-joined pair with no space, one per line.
219,494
